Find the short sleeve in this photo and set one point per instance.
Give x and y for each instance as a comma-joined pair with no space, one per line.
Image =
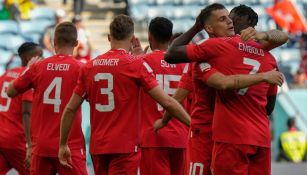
24,82
28,96
202,52
186,81
204,71
147,78
272,90
80,87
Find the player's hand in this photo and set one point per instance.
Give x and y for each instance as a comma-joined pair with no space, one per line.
274,77
250,33
65,156
158,125
198,24
27,162
136,47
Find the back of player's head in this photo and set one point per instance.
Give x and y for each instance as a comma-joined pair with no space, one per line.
65,35
122,27
206,12
28,50
243,10
291,122
161,29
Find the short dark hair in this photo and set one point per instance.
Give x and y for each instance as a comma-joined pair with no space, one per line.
243,10
161,29
65,34
291,122
26,48
206,12
121,27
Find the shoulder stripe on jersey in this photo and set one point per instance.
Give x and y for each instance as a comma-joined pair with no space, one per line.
186,68
147,67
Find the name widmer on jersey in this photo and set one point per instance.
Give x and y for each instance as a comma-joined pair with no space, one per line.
105,62
250,49
58,67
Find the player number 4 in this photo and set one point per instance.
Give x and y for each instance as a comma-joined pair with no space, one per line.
56,101
255,69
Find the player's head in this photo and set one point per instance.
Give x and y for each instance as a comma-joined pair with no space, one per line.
65,36
29,50
243,17
215,20
291,122
121,29
160,31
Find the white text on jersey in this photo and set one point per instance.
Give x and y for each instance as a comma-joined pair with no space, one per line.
165,64
250,49
12,74
105,62
58,67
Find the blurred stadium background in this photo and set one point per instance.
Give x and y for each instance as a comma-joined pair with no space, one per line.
97,15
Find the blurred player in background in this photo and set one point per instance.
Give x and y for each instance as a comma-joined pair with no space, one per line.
241,114
53,80
15,150
163,153
111,82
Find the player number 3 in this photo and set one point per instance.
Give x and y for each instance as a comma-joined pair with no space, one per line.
107,91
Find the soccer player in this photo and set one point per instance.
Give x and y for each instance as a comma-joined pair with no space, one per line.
111,82
163,153
240,123
15,150
53,80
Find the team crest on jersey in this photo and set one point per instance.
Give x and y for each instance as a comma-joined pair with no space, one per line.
204,67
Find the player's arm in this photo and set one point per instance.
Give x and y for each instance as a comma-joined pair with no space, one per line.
176,53
170,104
26,113
68,117
180,95
220,81
12,91
269,39
271,104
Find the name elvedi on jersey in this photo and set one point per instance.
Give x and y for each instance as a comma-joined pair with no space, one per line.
58,67
250,49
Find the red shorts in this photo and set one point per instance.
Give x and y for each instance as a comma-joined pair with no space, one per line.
117,164
163,161
12,158
51,165
241,159
200,147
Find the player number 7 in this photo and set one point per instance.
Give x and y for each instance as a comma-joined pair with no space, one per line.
256,66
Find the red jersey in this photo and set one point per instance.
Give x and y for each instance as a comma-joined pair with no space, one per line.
112,83
239,115
53,80
175,134
11,127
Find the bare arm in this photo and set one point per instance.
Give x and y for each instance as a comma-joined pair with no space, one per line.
177,52
26,113
11,91
47,43
170,105
179,95
223,82
269,40
271,104
68,117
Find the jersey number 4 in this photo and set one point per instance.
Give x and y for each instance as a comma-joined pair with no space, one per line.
256,65
5,108
56,101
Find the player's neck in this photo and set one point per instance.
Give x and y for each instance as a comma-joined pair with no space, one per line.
160,46
121,45
64,50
